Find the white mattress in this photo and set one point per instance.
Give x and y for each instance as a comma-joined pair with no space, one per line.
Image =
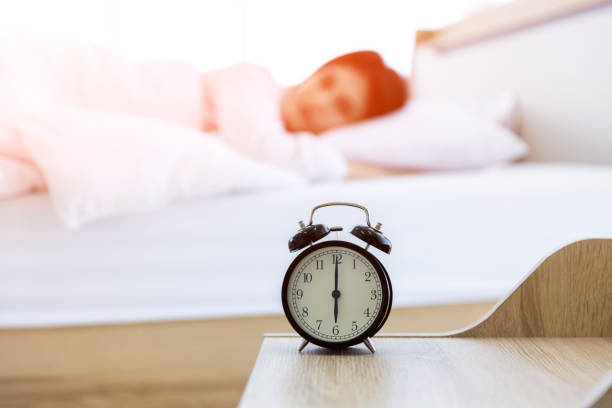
460,237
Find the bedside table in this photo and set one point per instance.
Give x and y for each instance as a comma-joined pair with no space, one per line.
429,372
548,344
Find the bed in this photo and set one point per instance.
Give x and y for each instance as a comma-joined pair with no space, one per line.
195,285
226,257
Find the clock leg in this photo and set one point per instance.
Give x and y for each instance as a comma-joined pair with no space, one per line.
303,345
369,345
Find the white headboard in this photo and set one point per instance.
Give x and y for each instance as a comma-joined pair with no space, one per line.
555,56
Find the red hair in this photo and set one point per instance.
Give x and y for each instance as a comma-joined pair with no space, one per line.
387,90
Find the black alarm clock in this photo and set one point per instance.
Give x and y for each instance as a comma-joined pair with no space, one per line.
337,294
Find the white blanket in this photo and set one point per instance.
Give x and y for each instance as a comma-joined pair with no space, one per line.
97,164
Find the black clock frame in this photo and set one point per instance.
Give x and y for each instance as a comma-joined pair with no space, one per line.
386,302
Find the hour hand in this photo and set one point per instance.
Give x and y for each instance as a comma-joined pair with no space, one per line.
335,310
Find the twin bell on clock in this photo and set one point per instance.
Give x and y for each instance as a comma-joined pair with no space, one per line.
337,294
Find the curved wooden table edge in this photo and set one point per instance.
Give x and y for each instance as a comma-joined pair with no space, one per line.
601,396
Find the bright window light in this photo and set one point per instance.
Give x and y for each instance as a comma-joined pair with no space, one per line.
291,38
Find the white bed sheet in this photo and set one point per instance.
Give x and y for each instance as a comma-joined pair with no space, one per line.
457,237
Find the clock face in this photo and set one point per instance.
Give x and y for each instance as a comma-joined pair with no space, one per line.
335,293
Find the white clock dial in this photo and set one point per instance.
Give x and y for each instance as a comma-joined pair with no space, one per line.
327,312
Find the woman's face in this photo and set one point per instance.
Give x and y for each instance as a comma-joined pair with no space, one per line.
331,97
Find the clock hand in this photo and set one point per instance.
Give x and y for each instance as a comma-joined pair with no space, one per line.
335,310
336,293
336,277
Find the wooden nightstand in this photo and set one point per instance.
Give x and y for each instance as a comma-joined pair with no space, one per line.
548,344
430,372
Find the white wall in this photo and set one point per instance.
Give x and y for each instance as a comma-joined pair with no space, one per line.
290,37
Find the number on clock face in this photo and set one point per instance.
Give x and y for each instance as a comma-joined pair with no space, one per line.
330,311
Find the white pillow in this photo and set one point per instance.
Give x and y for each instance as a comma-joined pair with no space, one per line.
429,135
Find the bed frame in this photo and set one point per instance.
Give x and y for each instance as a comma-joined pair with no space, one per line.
554,55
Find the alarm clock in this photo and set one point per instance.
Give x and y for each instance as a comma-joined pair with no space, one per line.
337,294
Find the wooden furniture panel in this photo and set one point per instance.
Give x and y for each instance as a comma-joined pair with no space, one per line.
601,396
549,343
568,295
430,372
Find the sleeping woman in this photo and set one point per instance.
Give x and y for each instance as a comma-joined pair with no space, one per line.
255,116
241,104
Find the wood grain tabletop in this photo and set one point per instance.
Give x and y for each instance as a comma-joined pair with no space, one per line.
430,372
